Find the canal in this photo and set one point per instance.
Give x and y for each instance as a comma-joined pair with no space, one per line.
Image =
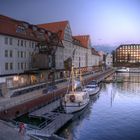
113,114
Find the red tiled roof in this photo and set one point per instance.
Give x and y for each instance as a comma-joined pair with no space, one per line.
84,39
8,26
55,27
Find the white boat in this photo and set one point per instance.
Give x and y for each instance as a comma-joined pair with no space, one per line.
75,100
91,89
123,69
94,83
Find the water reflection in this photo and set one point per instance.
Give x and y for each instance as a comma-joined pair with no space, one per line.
131,83
113,114
78,121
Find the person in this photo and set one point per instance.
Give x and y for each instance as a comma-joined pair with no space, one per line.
21,128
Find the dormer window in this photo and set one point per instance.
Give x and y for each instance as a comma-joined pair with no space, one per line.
25,25
34,28
20,29
42,30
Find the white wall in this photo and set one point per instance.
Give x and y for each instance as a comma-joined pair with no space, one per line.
25,51
109,60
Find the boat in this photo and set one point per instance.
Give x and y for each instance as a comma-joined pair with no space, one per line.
91,89
94,83
75,100
123,69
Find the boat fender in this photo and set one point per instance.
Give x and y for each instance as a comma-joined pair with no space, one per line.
72,98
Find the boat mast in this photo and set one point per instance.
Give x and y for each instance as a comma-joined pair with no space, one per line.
72,71
72,78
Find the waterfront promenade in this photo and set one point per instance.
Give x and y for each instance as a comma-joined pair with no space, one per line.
9,132
13,107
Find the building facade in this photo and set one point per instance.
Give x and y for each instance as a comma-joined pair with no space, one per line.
18,40
128,54
18,47
109,60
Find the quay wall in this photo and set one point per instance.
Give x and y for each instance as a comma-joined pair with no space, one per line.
45,99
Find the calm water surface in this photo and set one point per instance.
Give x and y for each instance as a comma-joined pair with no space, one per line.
113,114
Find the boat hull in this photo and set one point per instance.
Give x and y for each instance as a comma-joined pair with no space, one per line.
93,92
123,70
75,107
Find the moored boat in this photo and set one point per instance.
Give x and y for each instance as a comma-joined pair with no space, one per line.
91,89
123,69
75,100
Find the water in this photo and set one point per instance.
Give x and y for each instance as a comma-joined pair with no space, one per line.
113,114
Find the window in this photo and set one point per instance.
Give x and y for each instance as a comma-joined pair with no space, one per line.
11,41
18,42
6,66
21,54
25,43
20,29
6,53
6,40
11,53
11,66
21,42
32,44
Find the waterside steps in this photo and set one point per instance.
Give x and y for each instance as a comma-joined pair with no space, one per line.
53,121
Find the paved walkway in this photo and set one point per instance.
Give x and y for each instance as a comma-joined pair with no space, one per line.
8,132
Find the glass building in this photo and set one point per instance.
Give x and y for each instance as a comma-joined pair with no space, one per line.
129,53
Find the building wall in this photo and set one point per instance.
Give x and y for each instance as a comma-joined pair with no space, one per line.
15,54
59,58
80,56
67,43
109,60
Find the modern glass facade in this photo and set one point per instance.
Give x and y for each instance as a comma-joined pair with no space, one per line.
128,53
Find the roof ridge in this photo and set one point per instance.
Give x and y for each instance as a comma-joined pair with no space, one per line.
54,22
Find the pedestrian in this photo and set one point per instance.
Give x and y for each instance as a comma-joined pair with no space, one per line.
21,128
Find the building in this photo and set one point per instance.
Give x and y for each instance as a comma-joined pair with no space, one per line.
21,54
76,47
62,53
109,60
18,40
87,55
127,55
18,44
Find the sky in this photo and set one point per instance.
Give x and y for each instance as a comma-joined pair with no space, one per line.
108,22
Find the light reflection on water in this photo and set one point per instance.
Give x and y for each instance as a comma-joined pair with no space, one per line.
113,114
